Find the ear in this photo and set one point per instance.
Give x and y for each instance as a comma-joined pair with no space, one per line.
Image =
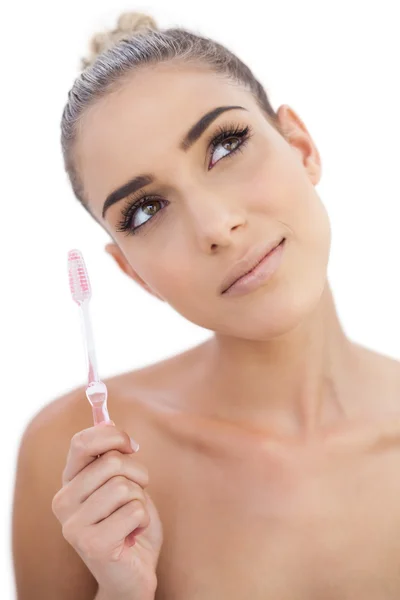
114,251
298,137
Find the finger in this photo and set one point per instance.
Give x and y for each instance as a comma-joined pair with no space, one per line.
115,493
86,445
93,476
123,525
109,465
104,539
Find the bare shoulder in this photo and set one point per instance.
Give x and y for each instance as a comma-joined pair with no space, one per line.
132,396
139,402
157,387
380,363
45,565
378,358
380,377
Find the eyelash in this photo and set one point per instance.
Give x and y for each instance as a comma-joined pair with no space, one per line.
223,133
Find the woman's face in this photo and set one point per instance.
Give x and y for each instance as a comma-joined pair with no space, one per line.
208,205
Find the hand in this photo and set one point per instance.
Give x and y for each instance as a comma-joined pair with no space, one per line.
107,516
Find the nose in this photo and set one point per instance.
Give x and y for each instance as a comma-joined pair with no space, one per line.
214,221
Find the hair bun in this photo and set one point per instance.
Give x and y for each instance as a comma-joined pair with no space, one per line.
127,24
135,21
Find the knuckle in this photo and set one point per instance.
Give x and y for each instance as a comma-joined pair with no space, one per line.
122,487
136,507
79,442
56,503
125,437
120,437
113,458
136,512
60,503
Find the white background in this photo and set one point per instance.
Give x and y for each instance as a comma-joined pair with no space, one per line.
335,63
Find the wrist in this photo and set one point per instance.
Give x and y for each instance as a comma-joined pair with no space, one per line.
103,594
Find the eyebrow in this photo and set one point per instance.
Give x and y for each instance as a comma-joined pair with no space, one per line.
190,138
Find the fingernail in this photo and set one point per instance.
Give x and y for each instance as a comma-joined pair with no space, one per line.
135,445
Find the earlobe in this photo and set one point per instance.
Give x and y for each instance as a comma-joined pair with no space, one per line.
114,251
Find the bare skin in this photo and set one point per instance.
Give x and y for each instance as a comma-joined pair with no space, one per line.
272,449
245,512
267,516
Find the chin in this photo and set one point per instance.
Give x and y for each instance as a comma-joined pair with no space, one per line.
273,311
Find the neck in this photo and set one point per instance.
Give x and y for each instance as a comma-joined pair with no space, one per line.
294,383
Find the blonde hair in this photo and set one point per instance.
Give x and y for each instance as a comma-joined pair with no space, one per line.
135,43
128,23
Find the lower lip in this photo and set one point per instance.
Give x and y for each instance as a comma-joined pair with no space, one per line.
259,275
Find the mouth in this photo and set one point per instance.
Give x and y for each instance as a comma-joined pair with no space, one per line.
242,270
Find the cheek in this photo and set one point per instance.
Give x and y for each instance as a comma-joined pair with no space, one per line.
179,283
308,222
291,199
266,184
169,275
282,191
308,218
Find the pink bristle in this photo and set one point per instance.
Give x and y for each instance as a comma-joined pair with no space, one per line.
78,277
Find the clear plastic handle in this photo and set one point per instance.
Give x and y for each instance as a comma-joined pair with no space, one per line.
96,393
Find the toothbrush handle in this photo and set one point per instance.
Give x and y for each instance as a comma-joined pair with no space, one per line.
100,413
96,393
89,343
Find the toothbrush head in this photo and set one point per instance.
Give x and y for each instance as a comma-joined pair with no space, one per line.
78,277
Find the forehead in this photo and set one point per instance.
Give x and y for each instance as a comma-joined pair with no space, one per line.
138,128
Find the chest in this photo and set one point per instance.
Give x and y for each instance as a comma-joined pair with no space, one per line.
312,525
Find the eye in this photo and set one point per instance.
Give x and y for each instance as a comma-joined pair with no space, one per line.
225,136
135,213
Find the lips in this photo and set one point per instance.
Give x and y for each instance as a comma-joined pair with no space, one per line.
250,260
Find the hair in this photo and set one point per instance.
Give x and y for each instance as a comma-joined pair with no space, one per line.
134,43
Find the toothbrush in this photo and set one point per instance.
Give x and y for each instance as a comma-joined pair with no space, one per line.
81,291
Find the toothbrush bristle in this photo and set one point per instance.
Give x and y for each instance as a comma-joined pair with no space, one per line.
78,277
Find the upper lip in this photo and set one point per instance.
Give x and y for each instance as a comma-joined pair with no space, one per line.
246,264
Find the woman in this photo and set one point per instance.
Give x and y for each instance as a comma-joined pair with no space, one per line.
269,454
